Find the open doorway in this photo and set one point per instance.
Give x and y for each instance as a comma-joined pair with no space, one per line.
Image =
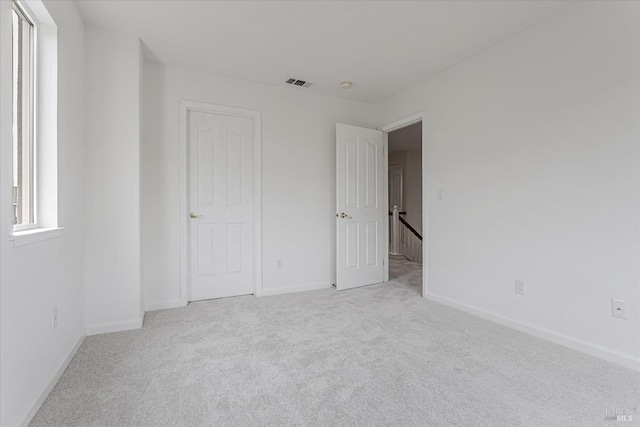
405,206
362,219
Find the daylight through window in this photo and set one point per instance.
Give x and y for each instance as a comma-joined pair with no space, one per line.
23,120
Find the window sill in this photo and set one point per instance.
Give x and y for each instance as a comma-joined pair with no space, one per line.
21,238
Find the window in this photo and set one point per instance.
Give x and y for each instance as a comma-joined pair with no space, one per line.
34,97
23,121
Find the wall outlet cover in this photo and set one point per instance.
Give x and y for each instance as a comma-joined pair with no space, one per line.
618,309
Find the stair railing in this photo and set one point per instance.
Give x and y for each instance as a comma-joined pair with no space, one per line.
404,239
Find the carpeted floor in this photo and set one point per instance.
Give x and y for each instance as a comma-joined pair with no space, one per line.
373,356
405,273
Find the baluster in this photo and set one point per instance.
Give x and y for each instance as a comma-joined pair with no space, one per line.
415,246
395,242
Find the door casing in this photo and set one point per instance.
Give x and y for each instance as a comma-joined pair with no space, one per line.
255,116
399,124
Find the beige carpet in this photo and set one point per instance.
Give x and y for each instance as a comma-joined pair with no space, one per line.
373,356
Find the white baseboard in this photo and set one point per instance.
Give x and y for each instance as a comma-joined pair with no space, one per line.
599,351
106,328
152,306
33,408
300,288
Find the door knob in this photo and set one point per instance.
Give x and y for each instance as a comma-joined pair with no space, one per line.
194,215
343,215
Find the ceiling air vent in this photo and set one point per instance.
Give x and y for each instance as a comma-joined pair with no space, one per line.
297,82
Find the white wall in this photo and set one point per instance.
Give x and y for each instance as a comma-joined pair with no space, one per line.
298,176
536,145
399,158
112,245
36,277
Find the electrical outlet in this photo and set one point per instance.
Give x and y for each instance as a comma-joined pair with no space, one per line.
618,309
520,287
279,263
55,317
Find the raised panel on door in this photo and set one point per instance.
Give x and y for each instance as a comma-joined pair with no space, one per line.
206,182
234,168
352,173
371,244
351,245
371,177
234,248
220,150
206,260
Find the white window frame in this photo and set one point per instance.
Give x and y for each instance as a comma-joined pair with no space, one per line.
32,111
45,126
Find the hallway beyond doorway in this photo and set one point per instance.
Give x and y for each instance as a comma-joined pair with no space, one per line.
405,273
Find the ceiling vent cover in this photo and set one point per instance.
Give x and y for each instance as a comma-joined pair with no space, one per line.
298,82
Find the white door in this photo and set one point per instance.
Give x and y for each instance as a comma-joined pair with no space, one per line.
395,187
361,207
220,204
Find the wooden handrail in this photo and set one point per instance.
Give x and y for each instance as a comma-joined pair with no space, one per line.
413,230
400,243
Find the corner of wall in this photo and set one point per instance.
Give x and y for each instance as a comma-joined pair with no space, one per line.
114,277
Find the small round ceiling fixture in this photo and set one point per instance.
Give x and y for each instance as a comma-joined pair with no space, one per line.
346,85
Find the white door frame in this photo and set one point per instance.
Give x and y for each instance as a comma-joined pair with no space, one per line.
255,116
399,124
